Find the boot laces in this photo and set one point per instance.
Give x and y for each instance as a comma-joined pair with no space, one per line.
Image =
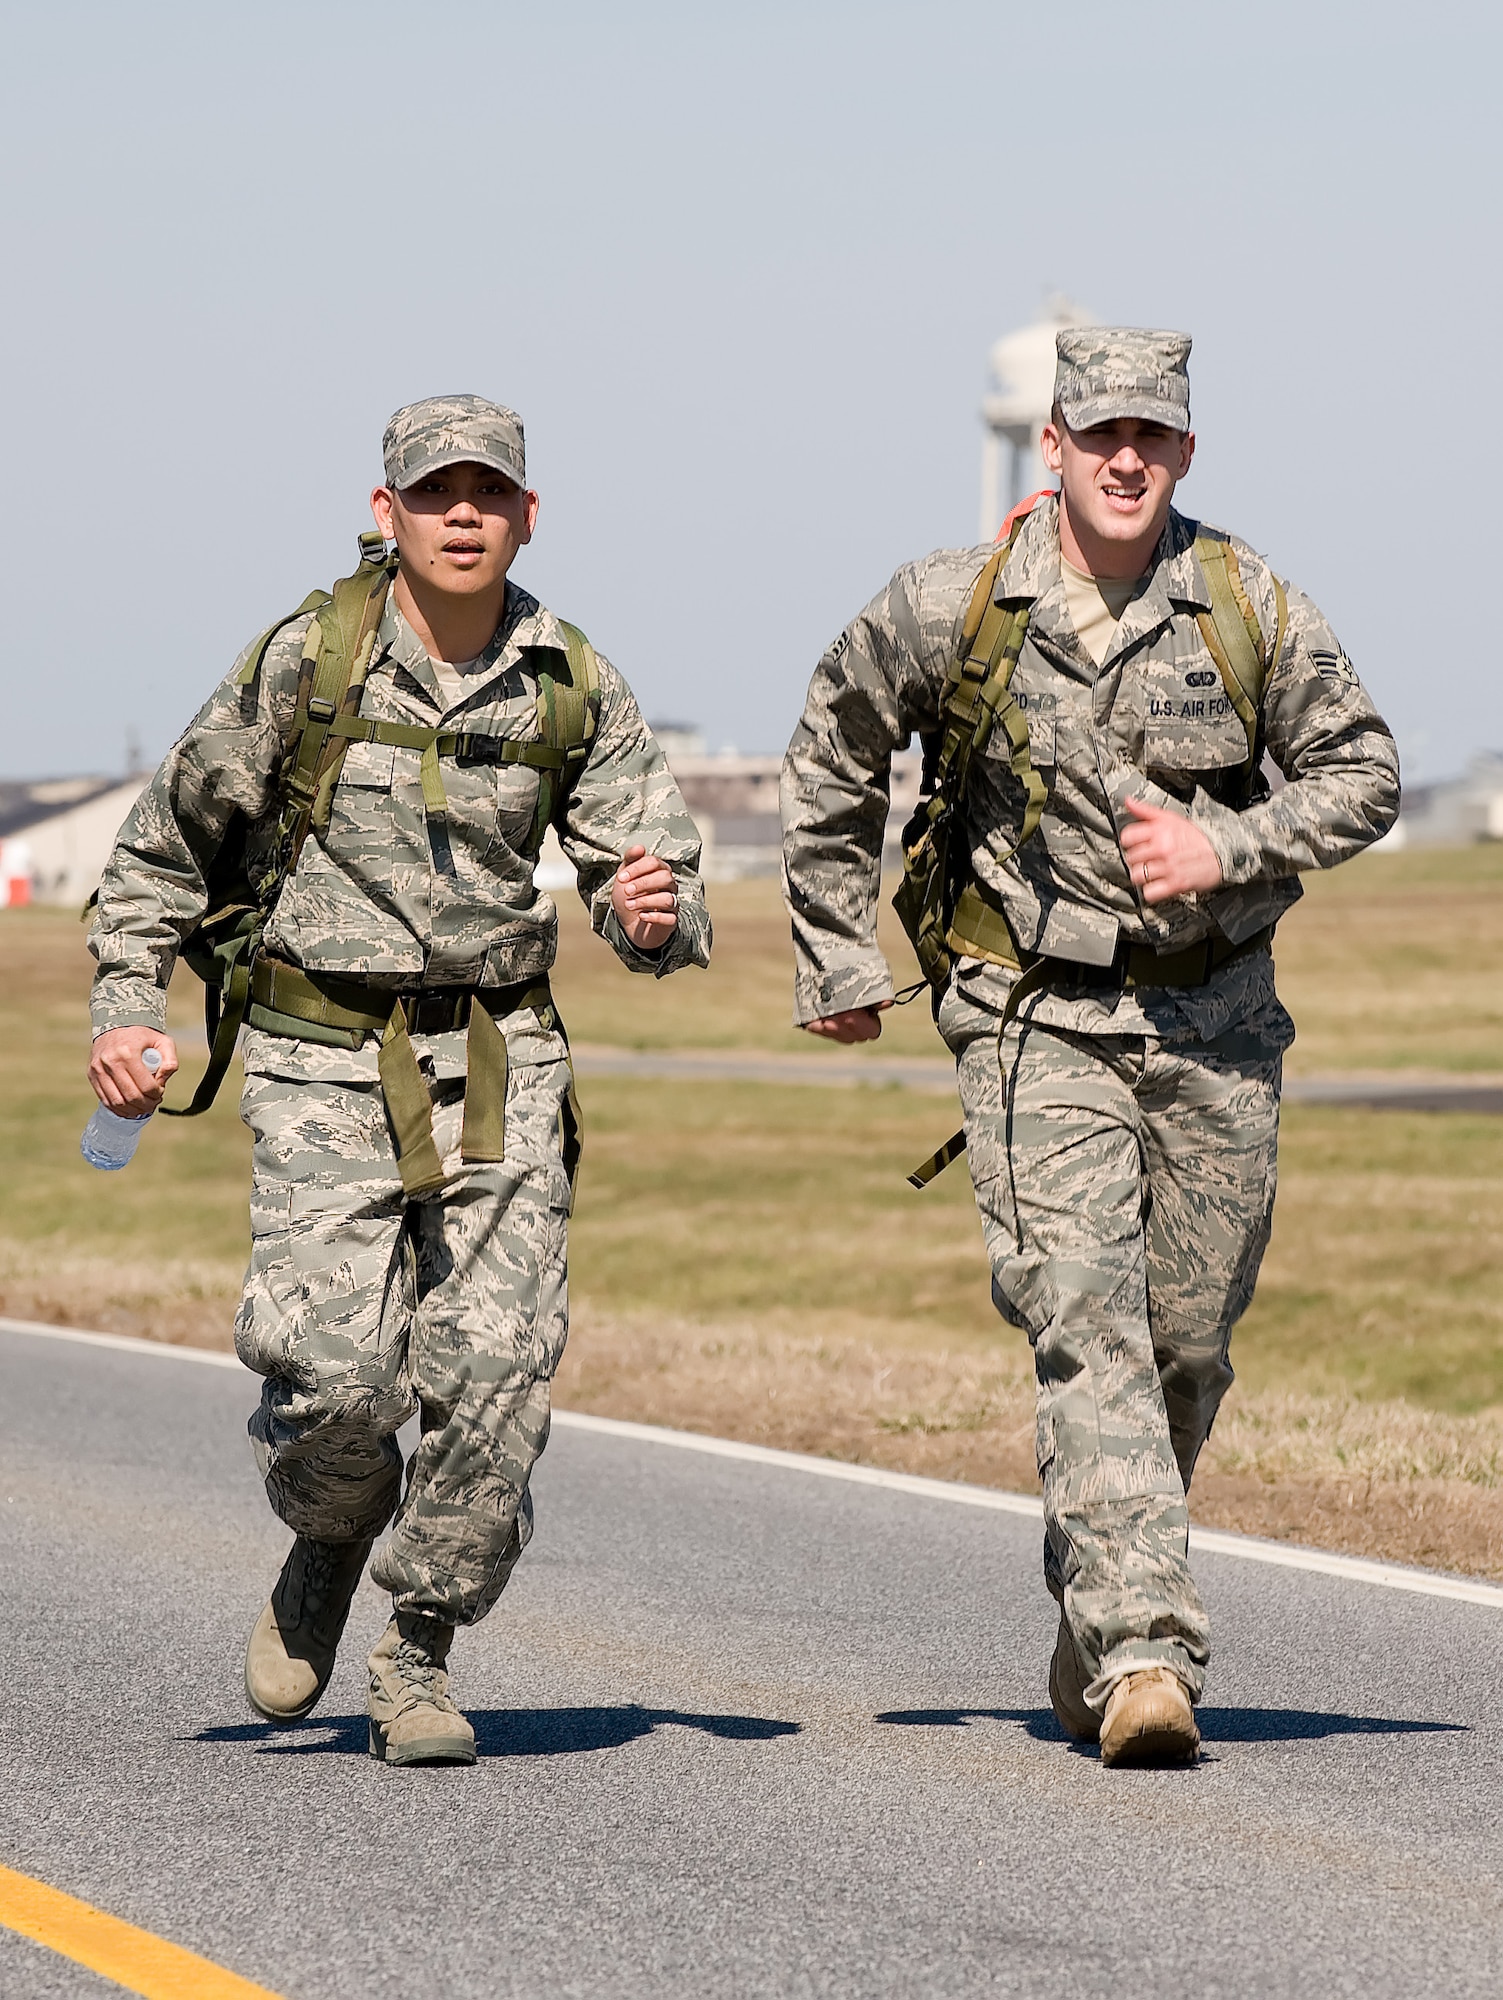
423,1682
321,1593
319,1565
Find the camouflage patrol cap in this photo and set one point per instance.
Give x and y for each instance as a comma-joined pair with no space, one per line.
452,430
1106,372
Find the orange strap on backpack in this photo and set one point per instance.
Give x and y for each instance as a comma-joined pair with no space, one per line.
1023,507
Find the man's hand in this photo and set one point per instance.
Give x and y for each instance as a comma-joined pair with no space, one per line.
644,896
1167,854
122,1082
854,1024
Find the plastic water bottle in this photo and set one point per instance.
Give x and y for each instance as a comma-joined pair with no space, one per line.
109,1141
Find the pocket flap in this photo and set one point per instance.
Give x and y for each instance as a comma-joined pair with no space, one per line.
1038,713
1200,732
369,764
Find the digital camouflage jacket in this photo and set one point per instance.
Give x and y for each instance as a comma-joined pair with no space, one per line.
377,896
1152,722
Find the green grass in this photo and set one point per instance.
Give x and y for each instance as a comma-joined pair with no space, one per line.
1383,1277
1396,962
738,1201
182,1196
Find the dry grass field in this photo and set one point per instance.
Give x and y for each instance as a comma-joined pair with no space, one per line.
748,1259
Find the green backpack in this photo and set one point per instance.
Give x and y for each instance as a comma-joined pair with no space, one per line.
223,946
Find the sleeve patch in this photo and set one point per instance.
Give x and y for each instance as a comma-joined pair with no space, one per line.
1334,667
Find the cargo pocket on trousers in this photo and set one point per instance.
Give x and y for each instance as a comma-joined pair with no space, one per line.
571,1138
1043,1440
551,1324
267,1320
1020,1289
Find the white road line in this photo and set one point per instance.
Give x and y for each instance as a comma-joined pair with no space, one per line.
161,1350
1203,1541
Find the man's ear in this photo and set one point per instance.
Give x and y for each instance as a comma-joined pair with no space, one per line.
1051,448
1186,453
381,502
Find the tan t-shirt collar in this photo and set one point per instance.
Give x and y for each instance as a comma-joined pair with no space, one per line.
1096,605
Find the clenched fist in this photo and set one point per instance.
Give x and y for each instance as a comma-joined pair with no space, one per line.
853,1024
1167,855
122,1082
644,896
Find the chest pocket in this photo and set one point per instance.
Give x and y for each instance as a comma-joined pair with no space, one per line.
514,811
1039,711
368,766
361,817
1193,736
994,767
492,806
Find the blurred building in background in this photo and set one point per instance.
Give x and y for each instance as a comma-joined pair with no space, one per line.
1453,812
734,800
56,835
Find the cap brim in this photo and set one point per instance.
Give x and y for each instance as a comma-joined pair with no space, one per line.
1110,409
461,456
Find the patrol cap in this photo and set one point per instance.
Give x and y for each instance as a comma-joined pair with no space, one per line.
1106,372
452,430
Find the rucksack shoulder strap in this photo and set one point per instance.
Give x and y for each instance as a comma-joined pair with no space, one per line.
256,656
336,657
934,900
1234,639
569,708
978,699
568,718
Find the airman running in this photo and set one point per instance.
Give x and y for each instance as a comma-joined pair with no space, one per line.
1092,887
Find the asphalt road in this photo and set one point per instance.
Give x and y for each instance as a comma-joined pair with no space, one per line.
745,1731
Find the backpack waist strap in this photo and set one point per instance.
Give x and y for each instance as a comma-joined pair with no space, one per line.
342,1012
285,1000
980,929
1141,965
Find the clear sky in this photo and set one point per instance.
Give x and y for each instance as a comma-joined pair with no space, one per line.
739,269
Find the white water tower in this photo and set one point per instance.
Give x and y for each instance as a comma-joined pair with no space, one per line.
1016,408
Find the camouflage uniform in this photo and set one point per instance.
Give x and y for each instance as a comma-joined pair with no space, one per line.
360,1304
1126,1189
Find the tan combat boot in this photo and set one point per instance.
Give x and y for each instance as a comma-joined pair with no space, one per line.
1149,1720
1067,1690
413,1720
291,1652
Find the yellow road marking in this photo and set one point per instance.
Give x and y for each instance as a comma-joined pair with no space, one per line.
133,1958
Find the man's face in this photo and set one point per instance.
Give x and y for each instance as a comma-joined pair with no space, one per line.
458,530
1118,478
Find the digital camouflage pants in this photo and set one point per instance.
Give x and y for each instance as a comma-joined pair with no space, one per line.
1126,1193
362,1305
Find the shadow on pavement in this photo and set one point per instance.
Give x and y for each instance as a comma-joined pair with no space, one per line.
1217,1725
503,1732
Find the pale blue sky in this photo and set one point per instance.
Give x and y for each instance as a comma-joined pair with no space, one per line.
739,269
